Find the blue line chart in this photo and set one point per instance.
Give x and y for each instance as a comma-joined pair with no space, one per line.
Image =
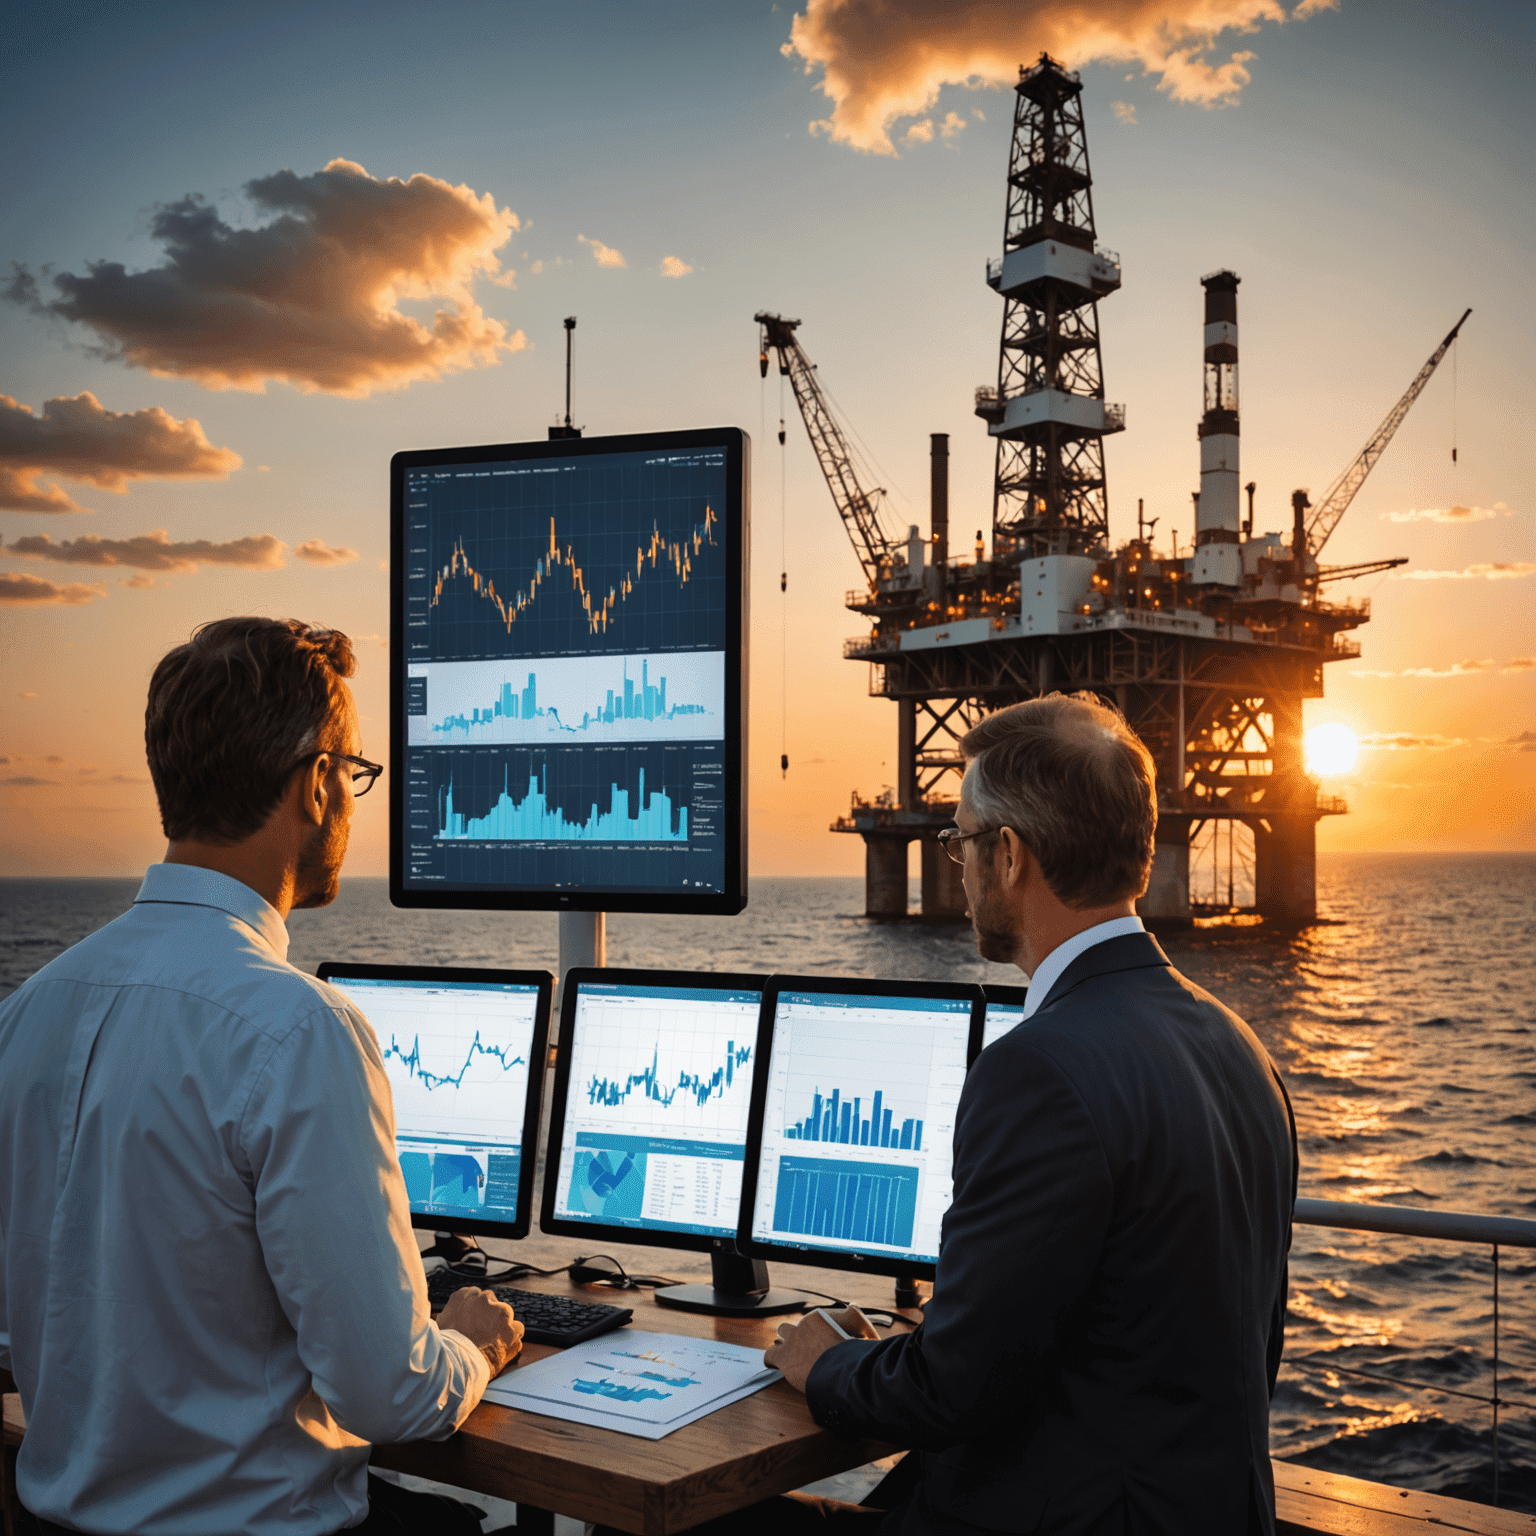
411,1061
701,1088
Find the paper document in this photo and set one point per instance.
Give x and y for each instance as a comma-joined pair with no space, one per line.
637,1383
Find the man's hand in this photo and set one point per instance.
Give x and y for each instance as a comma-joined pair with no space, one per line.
802,1344
488,1324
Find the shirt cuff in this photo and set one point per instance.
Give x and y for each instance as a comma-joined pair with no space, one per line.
477,1368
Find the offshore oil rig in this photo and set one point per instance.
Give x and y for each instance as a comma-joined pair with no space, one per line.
1208,652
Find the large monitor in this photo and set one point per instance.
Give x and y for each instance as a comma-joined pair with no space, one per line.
648,1123
1005,1012
853,1117
568,674
458,1045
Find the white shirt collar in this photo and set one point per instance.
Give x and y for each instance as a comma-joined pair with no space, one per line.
193,886
1049,971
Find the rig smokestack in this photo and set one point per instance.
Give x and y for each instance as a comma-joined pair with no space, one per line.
1218,528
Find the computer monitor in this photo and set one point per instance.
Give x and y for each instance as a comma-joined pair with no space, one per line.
648,1123
853,1116
1005,1012
568,674
464,1050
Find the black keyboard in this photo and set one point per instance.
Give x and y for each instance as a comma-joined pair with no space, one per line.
545,1319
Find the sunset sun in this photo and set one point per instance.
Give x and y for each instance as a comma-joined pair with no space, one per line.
1331,749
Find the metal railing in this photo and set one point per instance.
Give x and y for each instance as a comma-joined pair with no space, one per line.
1442,1226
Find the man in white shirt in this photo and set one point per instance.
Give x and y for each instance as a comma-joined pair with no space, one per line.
211,1298
1109,1308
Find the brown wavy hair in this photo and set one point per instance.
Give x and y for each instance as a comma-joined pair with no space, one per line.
1075,782
232,713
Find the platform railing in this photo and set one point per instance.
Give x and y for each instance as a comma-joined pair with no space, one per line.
1443,1226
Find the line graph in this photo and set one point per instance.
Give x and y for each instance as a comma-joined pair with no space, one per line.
601,1090
658,552
411,1061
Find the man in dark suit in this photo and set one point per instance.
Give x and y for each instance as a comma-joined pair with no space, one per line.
1107,1318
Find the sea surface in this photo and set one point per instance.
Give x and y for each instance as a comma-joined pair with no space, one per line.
1404,1024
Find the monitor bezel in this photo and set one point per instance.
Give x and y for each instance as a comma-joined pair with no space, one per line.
644,1237
1002,994
828,1258
737,520
538,1057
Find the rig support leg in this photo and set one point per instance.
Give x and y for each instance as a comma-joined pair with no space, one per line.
1285,869
943,886
885,876
1166,902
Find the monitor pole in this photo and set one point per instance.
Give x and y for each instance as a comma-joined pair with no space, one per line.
583,940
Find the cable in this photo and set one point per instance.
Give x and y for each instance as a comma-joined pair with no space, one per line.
881,1317
783,591
1455,390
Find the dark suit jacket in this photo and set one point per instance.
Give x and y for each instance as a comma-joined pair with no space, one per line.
1106,1324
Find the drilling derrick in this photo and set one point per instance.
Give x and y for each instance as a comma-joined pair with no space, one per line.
1208,651
1047,411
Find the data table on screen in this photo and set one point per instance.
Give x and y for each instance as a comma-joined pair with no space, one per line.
656,1107
858,1122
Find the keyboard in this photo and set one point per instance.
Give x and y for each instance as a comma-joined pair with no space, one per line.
545,1319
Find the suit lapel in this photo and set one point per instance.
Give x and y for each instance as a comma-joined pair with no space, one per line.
1130,952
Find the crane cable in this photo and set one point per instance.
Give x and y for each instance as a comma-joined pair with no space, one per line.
1455,391
783,591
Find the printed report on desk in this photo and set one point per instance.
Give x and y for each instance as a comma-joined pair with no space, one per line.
457,1058
858,1123
656,1107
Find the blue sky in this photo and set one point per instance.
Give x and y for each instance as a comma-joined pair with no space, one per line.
1369,182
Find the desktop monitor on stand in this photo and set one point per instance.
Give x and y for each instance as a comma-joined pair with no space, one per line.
464,1051
853,1116
648,1124
1005,1012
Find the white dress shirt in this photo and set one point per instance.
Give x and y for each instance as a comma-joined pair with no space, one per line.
1049,971
210,1294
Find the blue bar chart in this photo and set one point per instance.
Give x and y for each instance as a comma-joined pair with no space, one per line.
573,700
848,1202
534,819
843,1121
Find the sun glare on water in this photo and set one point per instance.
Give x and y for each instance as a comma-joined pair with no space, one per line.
1331,749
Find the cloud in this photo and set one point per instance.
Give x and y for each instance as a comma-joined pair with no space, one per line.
919,133
1525,741
1125,111
1312,8
1519,664
17,587
1456,514
674,266
155,551
26,779
606,255
1387,742
1493,570
882,60
310,297
140,582
952,126
318,552
26,695
78,438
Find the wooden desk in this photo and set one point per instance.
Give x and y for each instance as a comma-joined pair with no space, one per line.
763,1445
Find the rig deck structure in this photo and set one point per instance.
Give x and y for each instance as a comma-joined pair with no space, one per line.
1209,653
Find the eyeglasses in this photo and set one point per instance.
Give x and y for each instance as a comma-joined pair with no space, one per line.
951,840
364,773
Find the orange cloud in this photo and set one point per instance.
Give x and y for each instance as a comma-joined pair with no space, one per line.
311,297
155,551
882,60
605,254
1493,570
19,588
78,438
1456,514
318,552
674,266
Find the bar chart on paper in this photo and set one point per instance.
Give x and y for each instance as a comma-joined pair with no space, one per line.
679,697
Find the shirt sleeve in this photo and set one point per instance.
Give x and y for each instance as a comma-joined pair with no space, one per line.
335,1229
1032,1202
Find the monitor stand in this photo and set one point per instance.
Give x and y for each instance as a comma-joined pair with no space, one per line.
739,1288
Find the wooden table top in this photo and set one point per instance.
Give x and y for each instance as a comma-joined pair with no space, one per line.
764,1444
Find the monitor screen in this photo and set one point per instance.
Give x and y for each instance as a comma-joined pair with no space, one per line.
1005,1011
568,674
648,1126
848,1160
457,1047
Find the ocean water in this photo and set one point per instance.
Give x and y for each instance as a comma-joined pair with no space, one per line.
1404,1024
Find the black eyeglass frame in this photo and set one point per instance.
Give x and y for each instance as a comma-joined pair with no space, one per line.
950,839
370,773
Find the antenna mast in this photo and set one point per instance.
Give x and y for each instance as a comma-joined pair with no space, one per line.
570,337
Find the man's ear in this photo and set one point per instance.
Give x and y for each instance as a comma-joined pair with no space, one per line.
1017,858
312,791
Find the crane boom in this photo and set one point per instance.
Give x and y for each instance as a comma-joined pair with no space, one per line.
859,509
1325,517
